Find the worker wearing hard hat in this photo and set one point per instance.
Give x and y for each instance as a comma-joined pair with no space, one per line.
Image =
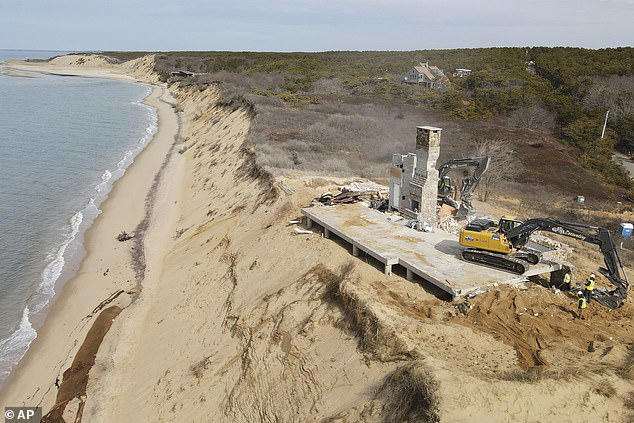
582,304
587,292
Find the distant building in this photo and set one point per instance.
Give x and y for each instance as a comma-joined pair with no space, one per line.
461,72
424,74
530,66
182,73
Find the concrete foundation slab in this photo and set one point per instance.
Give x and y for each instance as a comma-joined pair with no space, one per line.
435,257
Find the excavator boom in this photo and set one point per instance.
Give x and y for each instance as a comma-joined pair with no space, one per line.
502,245
519,235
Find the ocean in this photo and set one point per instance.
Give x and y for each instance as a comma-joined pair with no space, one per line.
63,142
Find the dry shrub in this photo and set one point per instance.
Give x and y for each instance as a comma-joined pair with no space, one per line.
533,118
198,369
333,281
233,102
626,370
332,138
262,81
536,374
263,100
604,388
628,401
530,375
339,137
251,170
329,86
375,334
613,92
504,165
410,394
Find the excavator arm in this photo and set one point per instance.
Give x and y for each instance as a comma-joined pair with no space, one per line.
613,270
469,184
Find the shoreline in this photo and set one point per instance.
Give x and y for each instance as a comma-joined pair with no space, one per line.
111,272
63,266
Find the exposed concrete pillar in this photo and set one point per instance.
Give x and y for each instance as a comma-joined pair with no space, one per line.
326,233
388,269
309,223
355,250
427,153
410,275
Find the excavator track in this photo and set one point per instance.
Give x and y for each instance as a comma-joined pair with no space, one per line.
499,261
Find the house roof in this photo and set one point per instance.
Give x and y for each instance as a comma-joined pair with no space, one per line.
425,71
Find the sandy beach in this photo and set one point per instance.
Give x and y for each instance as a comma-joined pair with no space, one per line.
111,273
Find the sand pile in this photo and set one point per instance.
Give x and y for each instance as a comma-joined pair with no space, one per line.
84,61
542,326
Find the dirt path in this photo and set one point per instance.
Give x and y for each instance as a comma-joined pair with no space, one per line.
627,163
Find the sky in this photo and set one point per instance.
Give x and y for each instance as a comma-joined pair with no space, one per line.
317,25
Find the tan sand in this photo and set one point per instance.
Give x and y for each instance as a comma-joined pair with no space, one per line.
241,320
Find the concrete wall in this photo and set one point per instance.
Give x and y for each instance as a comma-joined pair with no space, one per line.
401,175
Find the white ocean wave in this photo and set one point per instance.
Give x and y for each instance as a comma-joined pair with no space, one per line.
13,348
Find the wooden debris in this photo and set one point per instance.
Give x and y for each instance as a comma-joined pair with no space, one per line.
124,236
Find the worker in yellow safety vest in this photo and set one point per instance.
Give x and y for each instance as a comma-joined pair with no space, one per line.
566,283
587,292
582,304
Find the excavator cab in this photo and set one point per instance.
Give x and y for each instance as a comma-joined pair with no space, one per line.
445,187
507,223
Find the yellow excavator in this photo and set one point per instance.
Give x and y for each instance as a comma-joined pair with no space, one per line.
487,243
503,245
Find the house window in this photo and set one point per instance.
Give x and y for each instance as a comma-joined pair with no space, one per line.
415,205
